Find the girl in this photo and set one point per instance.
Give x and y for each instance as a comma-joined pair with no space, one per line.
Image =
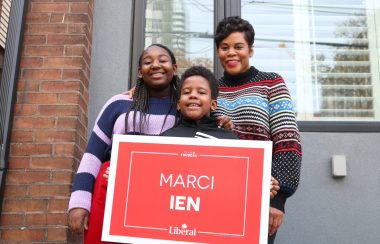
151,111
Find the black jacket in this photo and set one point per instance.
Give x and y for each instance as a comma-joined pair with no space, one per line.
205,128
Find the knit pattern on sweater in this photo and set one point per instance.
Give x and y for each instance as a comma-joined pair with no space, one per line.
261,109
110,121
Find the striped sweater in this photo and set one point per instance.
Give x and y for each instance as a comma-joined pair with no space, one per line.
260,106
110,121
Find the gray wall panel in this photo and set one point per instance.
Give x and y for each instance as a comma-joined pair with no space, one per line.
324,209
110,53
336,210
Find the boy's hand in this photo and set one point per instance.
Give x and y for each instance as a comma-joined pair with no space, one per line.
274,187
225,122
107,173
78,219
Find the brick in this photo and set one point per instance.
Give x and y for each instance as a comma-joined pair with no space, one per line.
27,235
60,86
39,98
30,149
15,191
65,39
63,62
47,28
34,39
49,190
58,205
54,136
22,136
19,162
50,7
33,123
67,122
31,62
76,18
44,50
25,205
58,110
56,163
64,149
74,50
12,219
27,177
37,18
25,109
79,7
82,104
77,28
46,219
28,85
41,74
57,234
57,18
72,74
64,177
69,98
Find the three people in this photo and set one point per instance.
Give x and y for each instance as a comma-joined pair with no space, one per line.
258,103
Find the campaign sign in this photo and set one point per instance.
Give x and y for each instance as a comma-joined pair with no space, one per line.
187,190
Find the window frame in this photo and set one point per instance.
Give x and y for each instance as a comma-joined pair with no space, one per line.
8,85
225,8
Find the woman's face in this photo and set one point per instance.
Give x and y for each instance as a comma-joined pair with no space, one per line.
157,70
234,53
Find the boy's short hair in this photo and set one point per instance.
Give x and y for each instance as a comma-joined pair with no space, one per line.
234,24
205,73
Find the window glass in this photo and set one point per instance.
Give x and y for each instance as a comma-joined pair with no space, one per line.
185,26
326,50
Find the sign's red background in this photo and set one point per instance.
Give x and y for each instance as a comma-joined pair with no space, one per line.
230,213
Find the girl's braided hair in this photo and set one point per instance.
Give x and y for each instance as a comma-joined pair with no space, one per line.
140,97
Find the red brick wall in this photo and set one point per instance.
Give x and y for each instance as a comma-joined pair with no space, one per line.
50,122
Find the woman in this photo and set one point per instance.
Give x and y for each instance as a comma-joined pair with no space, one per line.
260,107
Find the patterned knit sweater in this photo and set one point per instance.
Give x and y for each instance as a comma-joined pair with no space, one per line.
110,121
260,106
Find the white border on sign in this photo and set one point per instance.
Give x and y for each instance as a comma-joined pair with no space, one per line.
266,145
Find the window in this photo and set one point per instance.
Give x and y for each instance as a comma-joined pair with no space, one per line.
185,26
327,52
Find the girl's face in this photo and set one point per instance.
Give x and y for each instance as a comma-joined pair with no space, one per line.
157,71
234,53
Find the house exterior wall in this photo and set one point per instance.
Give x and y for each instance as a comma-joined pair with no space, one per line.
324,209
49,131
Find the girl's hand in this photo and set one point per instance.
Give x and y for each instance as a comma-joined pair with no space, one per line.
78,219
225,122
107,173
274,187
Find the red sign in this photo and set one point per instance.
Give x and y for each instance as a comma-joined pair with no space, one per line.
181,190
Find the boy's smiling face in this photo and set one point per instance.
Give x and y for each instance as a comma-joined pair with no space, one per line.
195,100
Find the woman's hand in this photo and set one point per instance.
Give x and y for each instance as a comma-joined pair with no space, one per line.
276,218
225,122
78,219
274,187
130,92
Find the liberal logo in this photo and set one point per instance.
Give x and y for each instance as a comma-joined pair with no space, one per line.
182,231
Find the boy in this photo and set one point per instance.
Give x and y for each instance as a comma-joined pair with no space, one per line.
198,93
